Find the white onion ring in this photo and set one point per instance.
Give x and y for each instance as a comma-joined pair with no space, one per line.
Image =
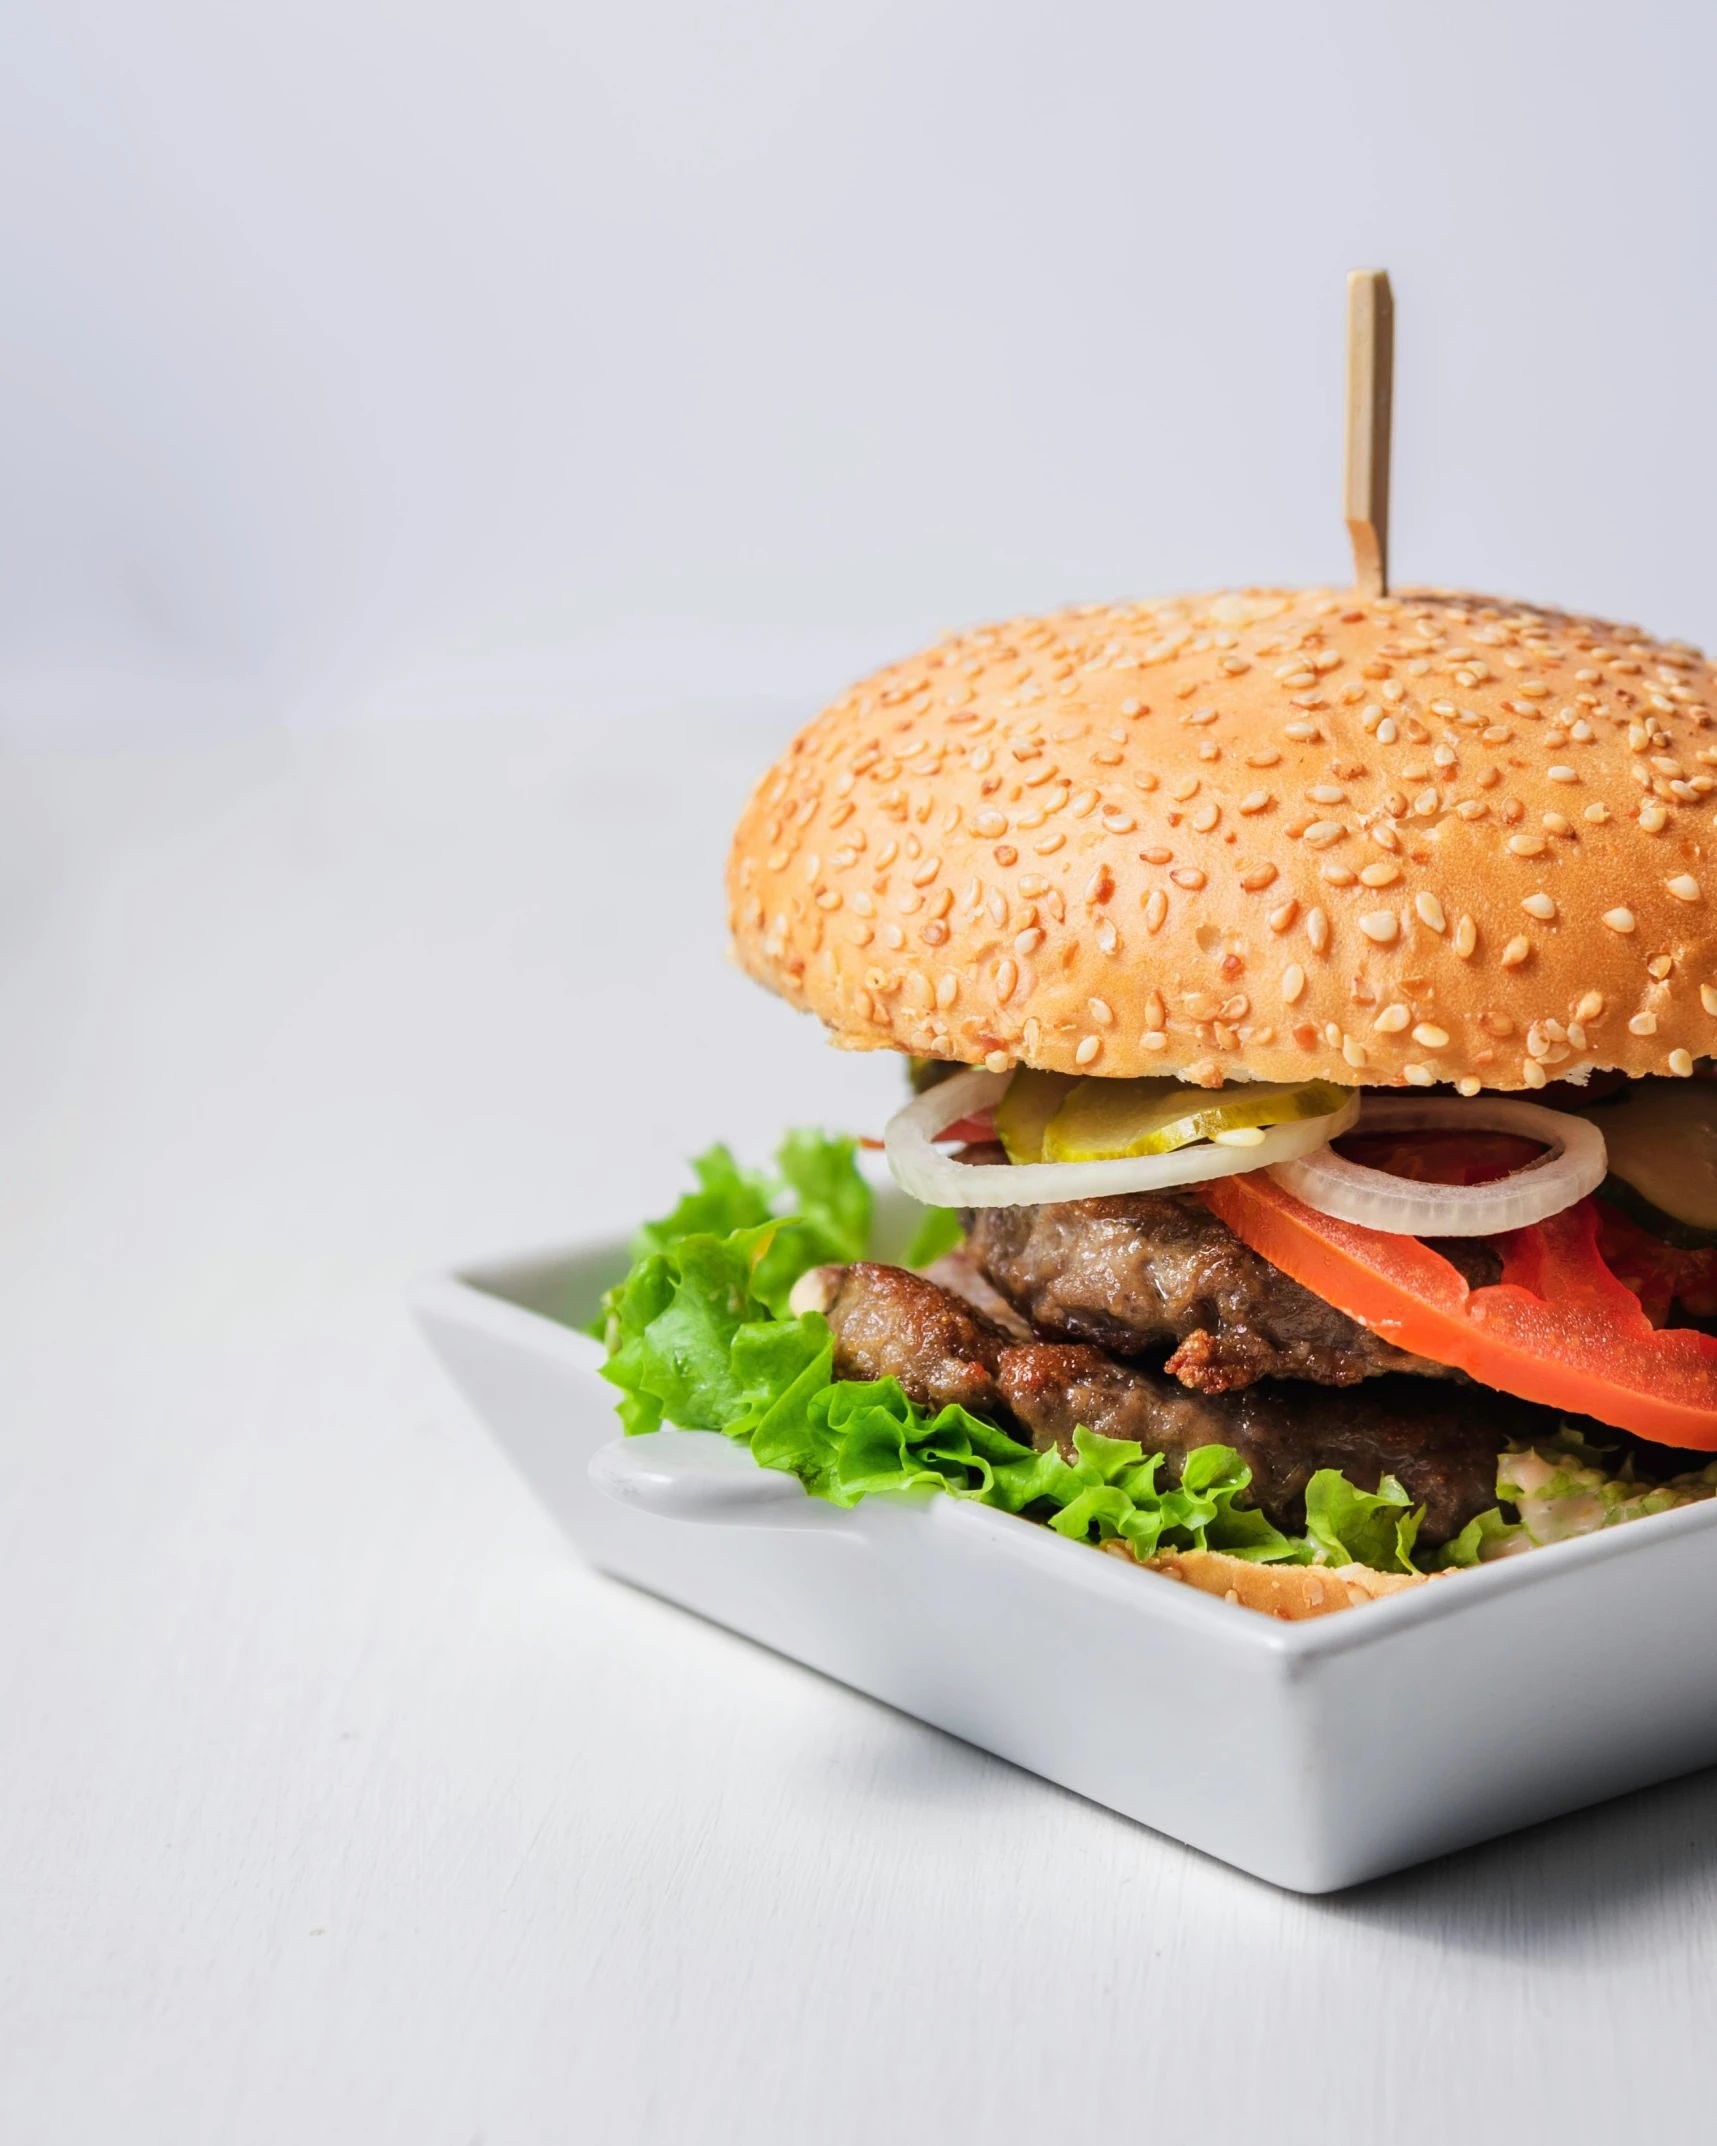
1576,1163
939,1181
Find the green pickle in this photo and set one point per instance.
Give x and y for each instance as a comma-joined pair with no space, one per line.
1105,1120
1032,1099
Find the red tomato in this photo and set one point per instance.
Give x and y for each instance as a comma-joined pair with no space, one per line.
1558,1328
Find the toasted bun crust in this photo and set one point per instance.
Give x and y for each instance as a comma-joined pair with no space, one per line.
1287,1591
1266,834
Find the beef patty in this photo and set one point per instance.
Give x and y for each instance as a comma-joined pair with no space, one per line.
1441,1441
1150,1271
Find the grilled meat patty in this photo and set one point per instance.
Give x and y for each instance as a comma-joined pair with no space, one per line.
890,1323
1150,1271
1441,1441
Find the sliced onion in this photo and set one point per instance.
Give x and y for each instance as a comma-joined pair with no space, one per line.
940,1181
1574,1165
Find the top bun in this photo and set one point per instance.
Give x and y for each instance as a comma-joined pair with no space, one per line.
1263,834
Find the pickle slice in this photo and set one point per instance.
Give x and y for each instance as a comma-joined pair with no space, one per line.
1032,1099
1103,1120
1662,1140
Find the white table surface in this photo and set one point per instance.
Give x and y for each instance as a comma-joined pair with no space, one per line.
339,1802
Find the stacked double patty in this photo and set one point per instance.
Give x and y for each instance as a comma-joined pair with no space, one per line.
1144,1317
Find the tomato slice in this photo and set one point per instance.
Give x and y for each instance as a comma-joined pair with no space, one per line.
1559,1327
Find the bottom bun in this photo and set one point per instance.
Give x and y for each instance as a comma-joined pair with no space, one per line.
1290,1591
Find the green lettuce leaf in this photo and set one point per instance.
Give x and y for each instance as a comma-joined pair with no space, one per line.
819,1178
1484,1537
938,1231
1347,1526
727,1198
829,1194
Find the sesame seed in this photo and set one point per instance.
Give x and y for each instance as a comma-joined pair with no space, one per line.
1089,1049
1553,823
1132,707
1708,998
1652,816
1430,1037
1118,822
1621,920
1418,1076
1051,843
1153,1039
1681,1063
990,824
1100,1012
1302,733
1321,833
1526,845
1156,908
1380,925
1317,929
1187,876
1386,731
1255,801
1468,1084
1326,793
1392,1019
1257,877
1006,854
1294,983
1382,874
1515,952
1203,820
1353,1051
1684,887
1539,906
1029,940
1597,814
1429,911
1282,919
1562,774
1643,1024
1591,1006
1007,976
1100,885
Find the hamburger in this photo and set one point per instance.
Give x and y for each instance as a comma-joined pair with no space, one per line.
1310,999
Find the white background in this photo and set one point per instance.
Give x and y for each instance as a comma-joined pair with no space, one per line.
441,454
357,351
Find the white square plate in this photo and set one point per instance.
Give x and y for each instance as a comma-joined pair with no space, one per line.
1313,1754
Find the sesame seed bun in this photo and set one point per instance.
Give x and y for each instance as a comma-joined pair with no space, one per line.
1264,833
1291,1592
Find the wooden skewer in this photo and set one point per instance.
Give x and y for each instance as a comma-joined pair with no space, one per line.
1370,384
